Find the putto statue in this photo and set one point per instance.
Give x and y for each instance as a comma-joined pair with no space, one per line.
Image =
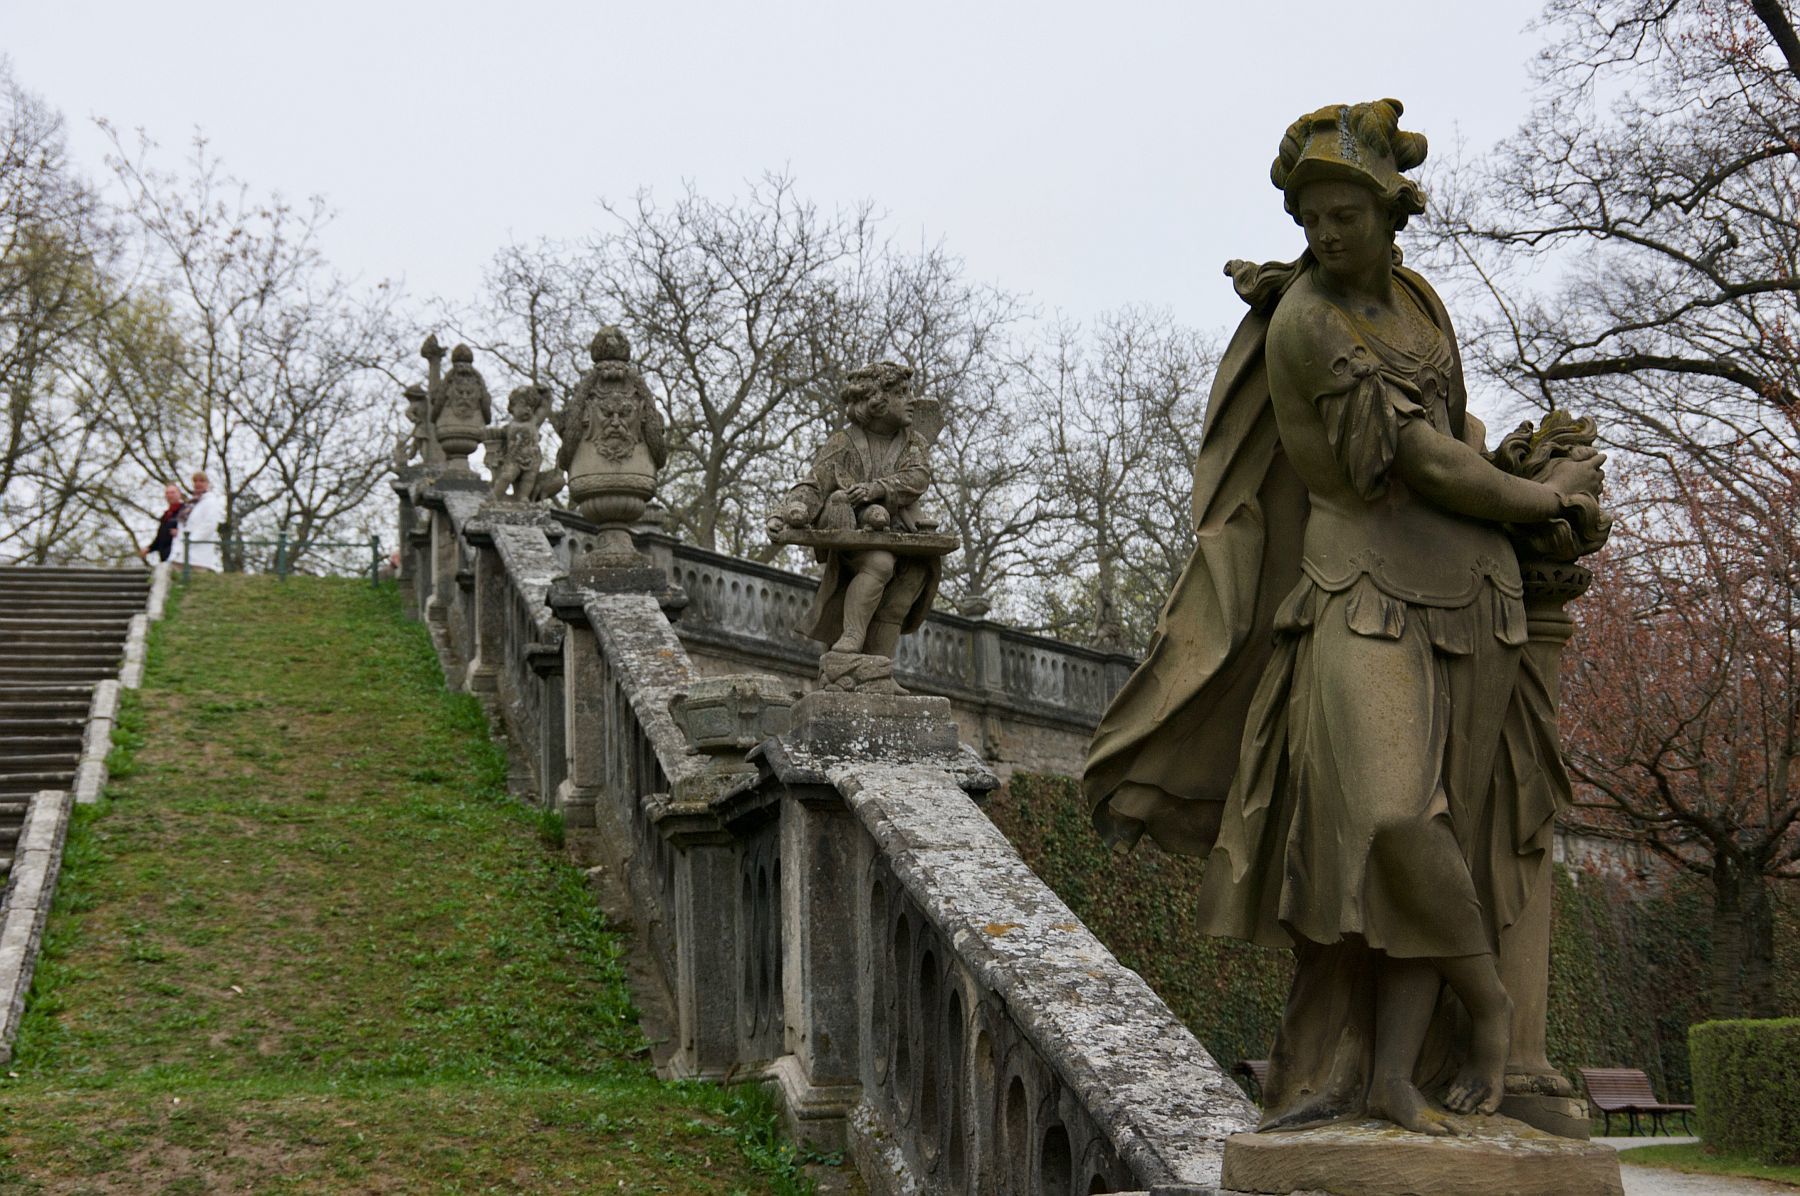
1340,707
419,439
514,455
858,511
613,442
460,404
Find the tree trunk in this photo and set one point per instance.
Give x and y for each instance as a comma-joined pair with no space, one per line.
1726,998
1743,946
1758,979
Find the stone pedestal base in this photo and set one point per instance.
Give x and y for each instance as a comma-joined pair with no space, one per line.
865,725
1373,1158
815,1112
858,672
617,572
576,804
1564,1116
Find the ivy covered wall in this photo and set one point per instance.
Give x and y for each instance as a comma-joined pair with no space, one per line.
1628,965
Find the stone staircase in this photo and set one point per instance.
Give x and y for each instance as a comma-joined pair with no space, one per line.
62,631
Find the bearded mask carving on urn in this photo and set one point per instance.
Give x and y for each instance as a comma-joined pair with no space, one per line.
461,408
613,442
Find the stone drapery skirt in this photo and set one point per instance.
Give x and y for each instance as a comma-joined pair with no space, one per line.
1376,799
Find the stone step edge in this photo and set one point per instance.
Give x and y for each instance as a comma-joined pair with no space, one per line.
37,855
25,908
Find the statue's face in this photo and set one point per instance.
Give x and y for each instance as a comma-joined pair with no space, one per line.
521,407
1346,227
891,410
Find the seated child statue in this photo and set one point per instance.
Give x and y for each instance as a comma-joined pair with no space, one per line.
869,477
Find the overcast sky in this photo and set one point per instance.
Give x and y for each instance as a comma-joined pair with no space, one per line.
1089,155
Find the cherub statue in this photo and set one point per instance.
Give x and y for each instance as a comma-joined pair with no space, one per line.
867,479
515,456
416,440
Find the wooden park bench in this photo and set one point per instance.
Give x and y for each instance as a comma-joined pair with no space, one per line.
1256,1071
1627,1090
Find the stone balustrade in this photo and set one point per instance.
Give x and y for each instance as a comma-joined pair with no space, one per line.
825,904
1023,700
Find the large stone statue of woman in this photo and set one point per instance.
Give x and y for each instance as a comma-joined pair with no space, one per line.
1338,707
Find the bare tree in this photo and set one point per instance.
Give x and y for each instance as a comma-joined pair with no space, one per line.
744,314
272,379
57,252
1669,215
1686,696
1633,255
1122,413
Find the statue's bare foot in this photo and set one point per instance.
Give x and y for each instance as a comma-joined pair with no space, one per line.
1481,1083
848,643
1475,1091
1398,1101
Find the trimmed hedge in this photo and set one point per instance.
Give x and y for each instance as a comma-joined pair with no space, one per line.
1628,962
1747,1087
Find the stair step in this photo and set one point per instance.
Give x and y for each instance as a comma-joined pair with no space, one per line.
27,659
11,585
55,724
33,762
27,783
26,675
47,696
67,604
75,641
30,745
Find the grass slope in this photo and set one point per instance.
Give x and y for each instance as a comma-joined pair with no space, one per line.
308,944
1696,1159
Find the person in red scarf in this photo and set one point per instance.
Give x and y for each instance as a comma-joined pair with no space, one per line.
164,543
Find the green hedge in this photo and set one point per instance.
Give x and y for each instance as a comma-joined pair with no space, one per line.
1747,1087
1628,975
1628,964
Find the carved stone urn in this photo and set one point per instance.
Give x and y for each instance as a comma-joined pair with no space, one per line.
461,408
724,717
613,443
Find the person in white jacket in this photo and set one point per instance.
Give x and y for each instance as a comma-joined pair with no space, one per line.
201,525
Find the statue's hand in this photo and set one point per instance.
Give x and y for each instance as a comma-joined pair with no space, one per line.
1578,473
792,515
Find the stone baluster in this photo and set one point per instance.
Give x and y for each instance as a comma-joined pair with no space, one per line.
707,822
820,843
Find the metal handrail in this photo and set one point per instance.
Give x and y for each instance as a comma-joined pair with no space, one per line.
285,551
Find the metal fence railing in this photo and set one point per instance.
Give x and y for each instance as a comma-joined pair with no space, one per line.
286,552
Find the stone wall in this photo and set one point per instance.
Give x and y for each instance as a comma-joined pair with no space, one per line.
826,906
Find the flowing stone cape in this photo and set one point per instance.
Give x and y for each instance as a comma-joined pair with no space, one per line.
1163,756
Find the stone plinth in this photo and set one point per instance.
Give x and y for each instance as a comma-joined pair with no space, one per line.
1499,1157
865,726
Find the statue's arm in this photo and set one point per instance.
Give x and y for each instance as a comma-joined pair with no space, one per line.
1450,474
910,479
807,496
